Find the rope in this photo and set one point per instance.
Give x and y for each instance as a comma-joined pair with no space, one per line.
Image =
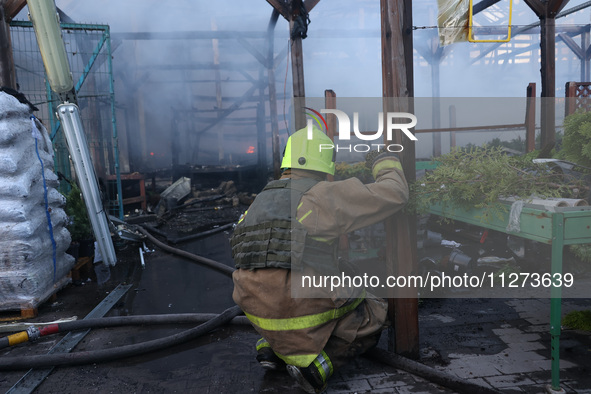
37,135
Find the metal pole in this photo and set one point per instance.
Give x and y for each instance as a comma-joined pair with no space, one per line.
78,147
556,296
107,34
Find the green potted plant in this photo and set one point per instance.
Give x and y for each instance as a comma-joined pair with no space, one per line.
79,224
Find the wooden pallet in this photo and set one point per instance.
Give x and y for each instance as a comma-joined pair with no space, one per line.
30,311
27,313
82,266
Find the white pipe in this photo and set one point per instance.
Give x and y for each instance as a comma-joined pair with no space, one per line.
45,20
548,202
142,258
574,202
78,147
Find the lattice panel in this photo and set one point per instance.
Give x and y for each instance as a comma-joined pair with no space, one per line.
578,94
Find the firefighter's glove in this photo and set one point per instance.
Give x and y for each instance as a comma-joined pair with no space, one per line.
378,161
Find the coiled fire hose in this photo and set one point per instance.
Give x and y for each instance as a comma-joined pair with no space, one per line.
87,357
33,333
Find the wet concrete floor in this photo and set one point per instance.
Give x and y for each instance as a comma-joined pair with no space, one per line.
224,361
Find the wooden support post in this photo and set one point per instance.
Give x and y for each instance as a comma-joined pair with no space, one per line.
218,93
291,12
330,102
397,86
435,95
548,69
175,145
139,101
585,45
13,7
530,118
273,95
261,139
141,114
7,72
297,71
547,11
571,98
452,124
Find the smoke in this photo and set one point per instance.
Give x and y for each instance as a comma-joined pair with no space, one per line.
174,92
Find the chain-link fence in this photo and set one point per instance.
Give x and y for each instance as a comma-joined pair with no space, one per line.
89,54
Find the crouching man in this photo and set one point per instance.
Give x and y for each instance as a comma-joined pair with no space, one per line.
292,229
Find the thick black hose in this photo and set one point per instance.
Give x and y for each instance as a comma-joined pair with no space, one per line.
118,321
199,259
96,356
459,385
200,235
88,357
154,230
137,320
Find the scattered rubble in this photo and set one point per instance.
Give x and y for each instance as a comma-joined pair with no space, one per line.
184,213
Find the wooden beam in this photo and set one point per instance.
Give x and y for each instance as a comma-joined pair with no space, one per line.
7,69
253,51
452,124
572,45
483,5
280,56
330,102
309,4
530,118
571,98
394,82
548,76
218,92
397,84
280,7
585,69
297,70
187,35
547,12
245,97
555,6
529,29
437,51
13,7
537,7
276,145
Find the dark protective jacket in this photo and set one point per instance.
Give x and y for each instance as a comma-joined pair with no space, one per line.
298,325
266,236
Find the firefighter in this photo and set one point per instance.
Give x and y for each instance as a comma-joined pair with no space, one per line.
293,228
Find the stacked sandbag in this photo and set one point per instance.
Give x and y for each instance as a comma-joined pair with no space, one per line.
32,267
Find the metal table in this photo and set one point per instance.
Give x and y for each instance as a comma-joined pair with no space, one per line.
559,227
